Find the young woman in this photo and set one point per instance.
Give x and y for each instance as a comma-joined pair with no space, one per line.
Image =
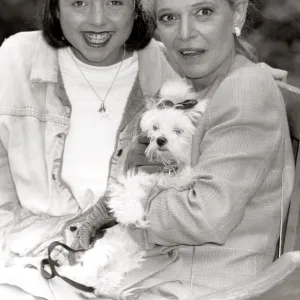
69,100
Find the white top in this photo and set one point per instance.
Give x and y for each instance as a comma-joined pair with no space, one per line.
91,140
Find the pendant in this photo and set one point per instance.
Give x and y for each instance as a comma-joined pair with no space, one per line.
103,109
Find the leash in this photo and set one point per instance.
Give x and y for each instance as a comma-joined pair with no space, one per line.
53,264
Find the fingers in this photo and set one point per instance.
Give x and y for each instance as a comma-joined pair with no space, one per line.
137,159
84,235
143,139
277,74
151,169
73,257
81,242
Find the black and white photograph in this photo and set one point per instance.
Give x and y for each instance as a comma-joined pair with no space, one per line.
149,149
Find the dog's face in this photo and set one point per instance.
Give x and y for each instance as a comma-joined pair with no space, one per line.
170,122
170,132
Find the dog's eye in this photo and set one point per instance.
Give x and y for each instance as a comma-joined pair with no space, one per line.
155,127
178,131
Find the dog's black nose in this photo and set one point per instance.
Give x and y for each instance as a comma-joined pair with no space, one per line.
161,141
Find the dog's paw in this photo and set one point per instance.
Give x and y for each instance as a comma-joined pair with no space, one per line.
184,180
185,186
142,223
126,197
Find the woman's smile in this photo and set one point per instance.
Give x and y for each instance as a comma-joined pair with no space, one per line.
97,39
198,32
191,53
97,29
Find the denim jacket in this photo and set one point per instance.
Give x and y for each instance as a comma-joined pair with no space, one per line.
35,118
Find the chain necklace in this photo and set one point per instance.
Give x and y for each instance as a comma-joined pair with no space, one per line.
103,108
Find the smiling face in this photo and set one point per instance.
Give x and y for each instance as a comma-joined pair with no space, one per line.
197,33
97,29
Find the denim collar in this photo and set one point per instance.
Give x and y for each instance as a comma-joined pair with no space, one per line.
45,62
154,67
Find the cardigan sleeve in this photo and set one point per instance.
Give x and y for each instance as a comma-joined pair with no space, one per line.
242,138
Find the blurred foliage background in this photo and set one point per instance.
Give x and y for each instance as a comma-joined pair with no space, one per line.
273,28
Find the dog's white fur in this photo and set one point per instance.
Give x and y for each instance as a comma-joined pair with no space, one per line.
105,265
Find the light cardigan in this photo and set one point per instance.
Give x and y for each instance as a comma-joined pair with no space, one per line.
223,231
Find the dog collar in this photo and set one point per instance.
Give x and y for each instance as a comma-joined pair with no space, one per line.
171,170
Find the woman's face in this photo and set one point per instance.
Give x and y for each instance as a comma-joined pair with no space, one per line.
97,29
197,33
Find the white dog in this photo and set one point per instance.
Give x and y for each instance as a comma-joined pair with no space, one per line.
170,123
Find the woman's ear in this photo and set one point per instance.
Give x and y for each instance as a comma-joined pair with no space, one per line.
240,13
151,103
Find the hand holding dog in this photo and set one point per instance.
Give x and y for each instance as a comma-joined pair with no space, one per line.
97,217
137,160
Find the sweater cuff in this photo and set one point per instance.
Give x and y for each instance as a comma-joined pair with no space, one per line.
100,213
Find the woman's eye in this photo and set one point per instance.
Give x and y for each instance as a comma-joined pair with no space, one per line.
115,3
178,131
79,4
204,12
167,18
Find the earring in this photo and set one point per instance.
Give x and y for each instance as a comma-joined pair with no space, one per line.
237,31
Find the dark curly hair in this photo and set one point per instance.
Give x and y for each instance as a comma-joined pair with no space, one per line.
142,31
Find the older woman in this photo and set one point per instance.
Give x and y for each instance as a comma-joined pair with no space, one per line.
224,230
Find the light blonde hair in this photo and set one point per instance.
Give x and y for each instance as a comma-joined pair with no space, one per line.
242,46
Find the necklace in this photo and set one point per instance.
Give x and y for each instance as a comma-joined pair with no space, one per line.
103,108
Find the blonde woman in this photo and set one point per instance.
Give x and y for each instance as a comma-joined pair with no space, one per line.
224,230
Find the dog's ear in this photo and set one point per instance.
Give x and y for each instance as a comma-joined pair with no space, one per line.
151,103
146,121
194,115
196,112
187,104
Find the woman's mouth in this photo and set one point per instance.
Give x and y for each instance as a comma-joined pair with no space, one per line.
97,40
191,53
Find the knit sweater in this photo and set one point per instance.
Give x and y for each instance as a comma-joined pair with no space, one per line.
224,231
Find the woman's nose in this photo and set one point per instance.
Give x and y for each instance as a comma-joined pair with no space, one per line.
187,28
97,15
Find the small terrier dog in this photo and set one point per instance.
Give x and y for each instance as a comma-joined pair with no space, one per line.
169,122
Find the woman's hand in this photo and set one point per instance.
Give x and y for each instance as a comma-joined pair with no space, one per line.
81,242
136,158
278,74
97,217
